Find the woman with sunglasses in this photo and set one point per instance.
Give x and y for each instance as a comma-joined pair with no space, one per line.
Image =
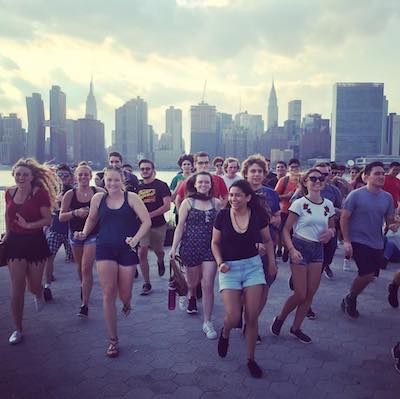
313,223
75,209
123,220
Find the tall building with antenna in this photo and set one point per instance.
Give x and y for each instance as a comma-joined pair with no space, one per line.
91,106
272,116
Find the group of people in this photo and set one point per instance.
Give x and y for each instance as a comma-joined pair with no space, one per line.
233,224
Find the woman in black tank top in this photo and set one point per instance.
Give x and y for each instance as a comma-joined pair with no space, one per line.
75,209
123,220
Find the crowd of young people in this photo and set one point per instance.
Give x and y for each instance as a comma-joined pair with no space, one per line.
232,223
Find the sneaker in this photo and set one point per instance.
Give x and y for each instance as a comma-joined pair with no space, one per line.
285,256
161,268
258,339
397,364
290,282
276,326
209,330
83,312
146,289
349,306
279,253
254,368
396,351
136,273
192,306
328,272
48,296
223,344
199,291
15,337
182,302
304,338
347,265
310,314
39,303
392,297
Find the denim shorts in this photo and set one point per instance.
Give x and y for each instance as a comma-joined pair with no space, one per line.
242,273
91,239
311,251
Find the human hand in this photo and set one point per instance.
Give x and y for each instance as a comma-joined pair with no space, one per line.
262,250
82,212
295,256
223,267
21,222
348,249
80,235
326,236
132,242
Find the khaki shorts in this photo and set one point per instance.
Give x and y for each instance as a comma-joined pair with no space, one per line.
155,238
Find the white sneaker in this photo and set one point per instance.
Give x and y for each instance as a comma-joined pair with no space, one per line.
209,330
347,266
39,303
15,338
182,303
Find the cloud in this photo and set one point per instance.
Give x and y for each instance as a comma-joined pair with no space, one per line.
7,63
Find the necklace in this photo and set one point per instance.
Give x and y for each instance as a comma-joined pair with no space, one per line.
239,227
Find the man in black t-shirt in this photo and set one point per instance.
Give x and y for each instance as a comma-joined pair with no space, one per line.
157,197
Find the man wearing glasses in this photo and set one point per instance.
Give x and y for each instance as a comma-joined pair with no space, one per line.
201,164
157,197
57,233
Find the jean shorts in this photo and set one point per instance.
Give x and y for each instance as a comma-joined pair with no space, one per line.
242,273
91,239
311,251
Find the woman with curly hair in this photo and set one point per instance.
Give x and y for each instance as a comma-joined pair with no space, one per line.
28,210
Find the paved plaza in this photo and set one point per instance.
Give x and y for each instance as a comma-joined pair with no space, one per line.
164,354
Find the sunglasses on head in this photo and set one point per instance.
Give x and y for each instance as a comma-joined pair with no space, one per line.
63,174
314,179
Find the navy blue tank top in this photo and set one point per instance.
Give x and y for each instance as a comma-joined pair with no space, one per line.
116,224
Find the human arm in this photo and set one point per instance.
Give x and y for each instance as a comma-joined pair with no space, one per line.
216,250
45,213
269,247
65,213
344,228
183,212
141,211
92,218
290,222
165,207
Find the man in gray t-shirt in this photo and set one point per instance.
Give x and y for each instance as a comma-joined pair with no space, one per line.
364,212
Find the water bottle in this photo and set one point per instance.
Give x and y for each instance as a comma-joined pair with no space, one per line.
171,296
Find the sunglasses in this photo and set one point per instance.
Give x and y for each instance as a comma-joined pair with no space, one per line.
203,162
144,169
22,174
314,179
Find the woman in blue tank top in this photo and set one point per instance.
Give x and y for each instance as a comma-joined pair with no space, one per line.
123,220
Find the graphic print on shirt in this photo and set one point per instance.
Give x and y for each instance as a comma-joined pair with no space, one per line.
147,195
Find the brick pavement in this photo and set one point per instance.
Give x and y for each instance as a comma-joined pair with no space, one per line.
164,354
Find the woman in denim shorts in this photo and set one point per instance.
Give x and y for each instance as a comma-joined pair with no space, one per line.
241,275
75,209
313,223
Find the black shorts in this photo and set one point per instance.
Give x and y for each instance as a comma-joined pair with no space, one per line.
32,247
368,260
122,254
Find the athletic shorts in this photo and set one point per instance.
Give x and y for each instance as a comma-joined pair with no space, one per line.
55,240
121,254
155,238
242,273
311,251
368,260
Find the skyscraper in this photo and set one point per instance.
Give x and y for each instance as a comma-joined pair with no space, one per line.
13,141
357,118
131,130
173,128
294,111
89,141
58,141
254,129
36,127
224,121
272,119
203,128
91,106
393,129
315,139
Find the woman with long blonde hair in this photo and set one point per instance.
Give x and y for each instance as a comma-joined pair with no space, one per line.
75,209
28,210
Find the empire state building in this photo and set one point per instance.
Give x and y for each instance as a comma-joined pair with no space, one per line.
272,120
91,107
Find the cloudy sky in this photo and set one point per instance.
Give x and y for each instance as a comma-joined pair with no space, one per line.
164,50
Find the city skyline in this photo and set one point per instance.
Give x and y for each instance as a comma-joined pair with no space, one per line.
166,64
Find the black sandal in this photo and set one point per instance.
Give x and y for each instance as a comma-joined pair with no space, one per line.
126,309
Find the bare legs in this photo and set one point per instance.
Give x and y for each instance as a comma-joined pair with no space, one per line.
84,258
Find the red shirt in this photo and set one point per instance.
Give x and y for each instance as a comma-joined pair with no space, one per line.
392,186
280,188
219,190
29,210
